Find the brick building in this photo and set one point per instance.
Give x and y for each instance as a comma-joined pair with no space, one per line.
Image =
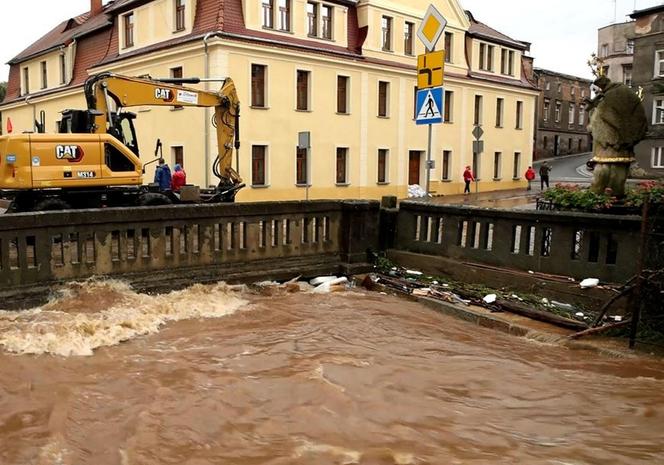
561,116
615,46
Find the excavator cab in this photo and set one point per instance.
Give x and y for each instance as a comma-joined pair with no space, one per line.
82,122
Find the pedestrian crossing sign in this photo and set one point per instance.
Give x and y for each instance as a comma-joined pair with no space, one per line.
430,106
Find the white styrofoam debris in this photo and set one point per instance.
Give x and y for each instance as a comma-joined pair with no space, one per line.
617,318
423,292
321,279
579,314
490,298
326,287
589,282
414,273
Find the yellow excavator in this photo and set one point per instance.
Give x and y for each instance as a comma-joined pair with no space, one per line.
93,161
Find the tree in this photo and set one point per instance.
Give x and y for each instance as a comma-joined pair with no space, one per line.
3,90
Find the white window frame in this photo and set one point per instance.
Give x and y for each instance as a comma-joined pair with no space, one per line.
657,157
659,60
658,104
571,114
546,108
582,115
558,108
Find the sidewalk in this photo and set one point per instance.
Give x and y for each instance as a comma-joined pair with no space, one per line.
512,198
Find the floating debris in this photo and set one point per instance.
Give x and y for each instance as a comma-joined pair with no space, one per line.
589,282
490,298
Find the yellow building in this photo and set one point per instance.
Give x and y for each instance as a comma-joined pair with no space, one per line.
343,70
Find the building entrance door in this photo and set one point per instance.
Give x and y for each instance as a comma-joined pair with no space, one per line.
414,158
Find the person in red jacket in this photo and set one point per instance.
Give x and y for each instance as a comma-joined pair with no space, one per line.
179,178
530,175
468,178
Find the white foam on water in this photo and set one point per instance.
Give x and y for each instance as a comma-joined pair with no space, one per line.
57,328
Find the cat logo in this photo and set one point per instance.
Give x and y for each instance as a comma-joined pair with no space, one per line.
71,153
163,94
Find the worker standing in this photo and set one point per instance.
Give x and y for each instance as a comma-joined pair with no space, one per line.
468,178
530,176
544,171
162,175
179,178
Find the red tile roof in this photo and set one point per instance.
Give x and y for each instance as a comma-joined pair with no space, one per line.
481,30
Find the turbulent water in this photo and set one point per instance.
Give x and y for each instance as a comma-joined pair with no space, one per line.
228,375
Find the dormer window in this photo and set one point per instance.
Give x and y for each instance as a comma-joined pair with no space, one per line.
179,15
408,38
268,14
128,25
26,81
312,15
284,15
326,16
387,33
63,70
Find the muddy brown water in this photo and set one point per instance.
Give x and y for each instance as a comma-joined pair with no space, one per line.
219,375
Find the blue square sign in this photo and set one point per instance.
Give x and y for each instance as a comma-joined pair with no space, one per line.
430,104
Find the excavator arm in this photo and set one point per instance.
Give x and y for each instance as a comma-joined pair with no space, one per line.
106,93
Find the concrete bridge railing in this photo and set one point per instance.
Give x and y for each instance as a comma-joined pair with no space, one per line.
157,246
579,245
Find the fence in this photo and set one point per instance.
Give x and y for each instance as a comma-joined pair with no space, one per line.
564,243
194,242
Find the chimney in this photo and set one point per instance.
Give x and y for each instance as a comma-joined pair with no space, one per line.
96,7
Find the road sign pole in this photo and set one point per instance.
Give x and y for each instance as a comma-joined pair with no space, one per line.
429,162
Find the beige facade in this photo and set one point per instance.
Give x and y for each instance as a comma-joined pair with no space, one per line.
361,130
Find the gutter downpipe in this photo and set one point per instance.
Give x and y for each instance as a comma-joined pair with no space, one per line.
206,124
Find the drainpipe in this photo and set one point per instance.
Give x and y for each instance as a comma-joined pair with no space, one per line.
34,113
206,123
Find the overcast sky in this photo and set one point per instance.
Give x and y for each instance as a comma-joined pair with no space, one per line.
563,32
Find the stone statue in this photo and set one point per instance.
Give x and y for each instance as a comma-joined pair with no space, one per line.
617,122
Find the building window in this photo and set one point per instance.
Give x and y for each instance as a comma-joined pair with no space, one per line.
448,115
604,50
303,90
583,93
503,61
268,14
312,16
499,112
478,110
510,65
383,98
179,15
560,88
627,76
128,21
658,111
342,94
507,62
342,165
26,81
569,145
447,157
630,46
176,73
545,110
63,70
517,165
582,115
557,111
486,57
547,86
448,47
408,38
382,165
327,21
177,152
571,114
605,70
497,159
44,75
658,157
519,115
573,91
302,172
545,142
258,86
387,33
258,159
284,15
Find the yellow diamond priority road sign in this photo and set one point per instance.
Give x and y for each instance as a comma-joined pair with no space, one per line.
432,28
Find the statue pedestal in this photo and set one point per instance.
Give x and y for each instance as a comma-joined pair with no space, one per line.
611,170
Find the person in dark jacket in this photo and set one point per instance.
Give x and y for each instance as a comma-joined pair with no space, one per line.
162,175
544,171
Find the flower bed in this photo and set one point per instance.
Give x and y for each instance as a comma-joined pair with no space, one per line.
577,198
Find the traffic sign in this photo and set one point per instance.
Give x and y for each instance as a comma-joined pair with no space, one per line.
432,27
478,146
430,70
478,132
430,106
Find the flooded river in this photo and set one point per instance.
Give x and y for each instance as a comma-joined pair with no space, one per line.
219,375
